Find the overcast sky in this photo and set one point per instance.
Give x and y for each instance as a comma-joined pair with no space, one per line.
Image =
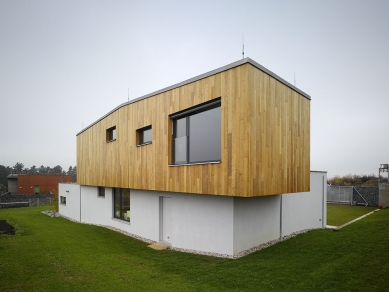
64,64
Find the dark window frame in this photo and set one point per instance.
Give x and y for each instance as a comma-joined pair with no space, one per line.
101,192
63,200
110,134
140,136
187,114
118,213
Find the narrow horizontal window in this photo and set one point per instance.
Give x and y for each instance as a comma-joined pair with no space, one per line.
144,135
111,134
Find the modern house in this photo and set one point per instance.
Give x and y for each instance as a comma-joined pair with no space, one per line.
219,163
29,184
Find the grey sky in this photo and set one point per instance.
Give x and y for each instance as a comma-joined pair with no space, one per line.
64,64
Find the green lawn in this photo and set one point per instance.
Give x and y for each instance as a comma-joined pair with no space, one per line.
340,214
54,254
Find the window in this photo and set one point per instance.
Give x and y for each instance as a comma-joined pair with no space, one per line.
101,192
121,204
197,134
144,136
111,134
63,200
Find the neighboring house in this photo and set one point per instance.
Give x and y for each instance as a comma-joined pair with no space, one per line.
28,184
219,163
12,183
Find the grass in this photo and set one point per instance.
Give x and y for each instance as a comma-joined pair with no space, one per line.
54,254
340,214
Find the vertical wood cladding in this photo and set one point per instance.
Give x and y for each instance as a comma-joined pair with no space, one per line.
265,140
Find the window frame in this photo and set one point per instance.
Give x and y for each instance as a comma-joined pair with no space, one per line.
110,134
62,200
140,136
186,114
121,216
101,192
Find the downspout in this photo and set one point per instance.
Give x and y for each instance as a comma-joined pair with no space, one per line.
80,202
322,204
280,216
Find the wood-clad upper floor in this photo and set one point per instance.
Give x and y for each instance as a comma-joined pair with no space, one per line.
264,138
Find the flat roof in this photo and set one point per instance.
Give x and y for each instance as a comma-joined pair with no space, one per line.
202,76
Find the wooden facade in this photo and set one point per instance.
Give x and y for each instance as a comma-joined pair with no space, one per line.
265,138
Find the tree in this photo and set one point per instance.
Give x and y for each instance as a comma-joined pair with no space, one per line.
70,170
33,170
42,170
57,169
4,172
18,167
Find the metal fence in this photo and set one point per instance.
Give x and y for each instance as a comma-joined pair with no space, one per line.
366,196
340,194
26,202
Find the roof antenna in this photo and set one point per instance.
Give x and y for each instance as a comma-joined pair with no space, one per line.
243,46
128,94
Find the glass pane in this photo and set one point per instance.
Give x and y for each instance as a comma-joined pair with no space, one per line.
116,203
146,136
180,128
180,145
205,136
125,210
113,134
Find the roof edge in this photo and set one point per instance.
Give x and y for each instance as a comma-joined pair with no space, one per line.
199,77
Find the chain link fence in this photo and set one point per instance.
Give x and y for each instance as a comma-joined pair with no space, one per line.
340,194
367,196
15,201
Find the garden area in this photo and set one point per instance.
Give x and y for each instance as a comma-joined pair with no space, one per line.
49,254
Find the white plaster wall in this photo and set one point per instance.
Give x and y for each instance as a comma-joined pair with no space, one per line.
308,210
199,222
256,221
203,223
217,224
72,194
96,210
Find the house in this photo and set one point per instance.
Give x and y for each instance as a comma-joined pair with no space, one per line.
219,163
28,184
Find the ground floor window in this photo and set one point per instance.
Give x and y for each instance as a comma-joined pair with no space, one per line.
63,200
121,204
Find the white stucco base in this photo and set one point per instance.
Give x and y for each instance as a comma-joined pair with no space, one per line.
204,223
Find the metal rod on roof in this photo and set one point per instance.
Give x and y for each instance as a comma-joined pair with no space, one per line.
243,46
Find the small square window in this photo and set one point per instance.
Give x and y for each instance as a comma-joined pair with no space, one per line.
101,192
144,135
111,134
63,200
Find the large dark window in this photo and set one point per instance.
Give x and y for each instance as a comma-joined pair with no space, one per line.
197,134
121,204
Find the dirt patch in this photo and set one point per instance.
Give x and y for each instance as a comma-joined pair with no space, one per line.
6,228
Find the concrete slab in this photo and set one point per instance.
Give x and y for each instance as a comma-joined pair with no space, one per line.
159,246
